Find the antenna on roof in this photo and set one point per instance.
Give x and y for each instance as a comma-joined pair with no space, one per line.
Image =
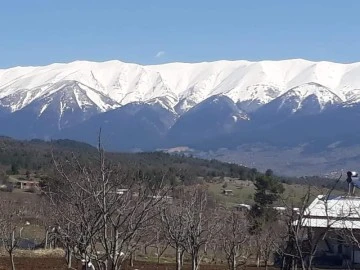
353,182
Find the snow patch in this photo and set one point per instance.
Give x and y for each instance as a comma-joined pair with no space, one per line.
43,108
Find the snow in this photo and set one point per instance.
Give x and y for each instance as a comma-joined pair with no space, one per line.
188,83
62,110
44,107
300,93
353,97
335,212
95,98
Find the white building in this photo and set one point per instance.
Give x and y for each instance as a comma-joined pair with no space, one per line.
340,212
338,219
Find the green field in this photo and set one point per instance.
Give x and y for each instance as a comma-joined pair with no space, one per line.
243,192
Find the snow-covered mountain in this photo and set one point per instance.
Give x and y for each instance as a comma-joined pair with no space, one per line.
197,100
306,99
179,86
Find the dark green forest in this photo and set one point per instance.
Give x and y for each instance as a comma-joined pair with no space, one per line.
37,156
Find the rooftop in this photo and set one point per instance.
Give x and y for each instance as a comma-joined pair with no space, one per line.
334,212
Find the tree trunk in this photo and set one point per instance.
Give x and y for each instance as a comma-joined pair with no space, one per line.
310,267
233,263
158,253
46,239
12,260
131,262
178,258
303,265
68,257
11,250
195,260
287,263
113,260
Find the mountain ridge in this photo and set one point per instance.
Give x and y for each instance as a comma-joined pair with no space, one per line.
205,106
128,82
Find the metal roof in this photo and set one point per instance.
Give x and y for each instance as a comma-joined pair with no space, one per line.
334,212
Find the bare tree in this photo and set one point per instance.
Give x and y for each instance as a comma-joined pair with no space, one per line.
190,223
235,239
160,242
45,216
11,218
201,224
270,239
101,223
174,229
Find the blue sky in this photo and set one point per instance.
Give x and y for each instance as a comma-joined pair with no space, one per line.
39,32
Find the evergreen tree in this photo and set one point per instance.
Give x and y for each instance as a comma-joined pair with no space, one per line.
267,191
14,169
269,172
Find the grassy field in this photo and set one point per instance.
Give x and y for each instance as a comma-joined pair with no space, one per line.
243,192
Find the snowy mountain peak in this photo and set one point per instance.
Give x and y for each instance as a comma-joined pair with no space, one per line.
299,96
70,90
306,99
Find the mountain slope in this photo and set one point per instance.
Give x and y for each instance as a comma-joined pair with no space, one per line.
131,127
213,117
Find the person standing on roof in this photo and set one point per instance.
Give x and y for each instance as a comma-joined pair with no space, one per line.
353,182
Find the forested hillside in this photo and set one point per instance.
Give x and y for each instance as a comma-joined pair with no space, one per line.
37,156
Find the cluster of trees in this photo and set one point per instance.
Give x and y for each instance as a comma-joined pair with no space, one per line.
37,155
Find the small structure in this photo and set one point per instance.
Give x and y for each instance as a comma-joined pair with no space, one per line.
27,184
242,207
280,208
228,192
164,198
121,191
